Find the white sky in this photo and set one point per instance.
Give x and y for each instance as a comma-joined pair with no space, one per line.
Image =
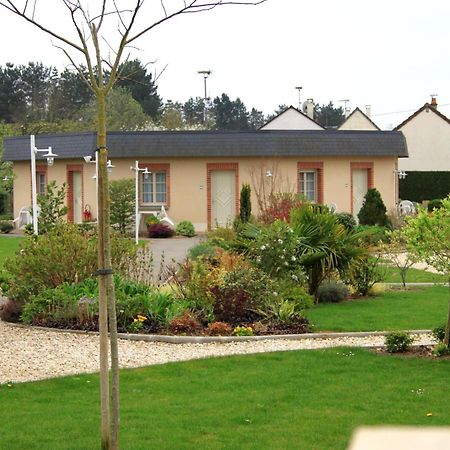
390,54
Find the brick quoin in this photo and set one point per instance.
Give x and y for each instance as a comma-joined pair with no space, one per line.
210,167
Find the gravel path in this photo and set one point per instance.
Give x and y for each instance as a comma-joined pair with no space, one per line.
32,354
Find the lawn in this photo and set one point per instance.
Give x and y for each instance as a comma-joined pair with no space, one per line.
301,400
413,309
8,246
413,276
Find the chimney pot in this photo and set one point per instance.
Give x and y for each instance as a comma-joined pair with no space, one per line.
368,110
433,103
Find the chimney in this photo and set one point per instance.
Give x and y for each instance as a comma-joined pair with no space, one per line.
368,111
310,108
433,102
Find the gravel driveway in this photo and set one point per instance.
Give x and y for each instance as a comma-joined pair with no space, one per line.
30,354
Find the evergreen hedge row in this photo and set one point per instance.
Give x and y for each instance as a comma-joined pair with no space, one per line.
419,186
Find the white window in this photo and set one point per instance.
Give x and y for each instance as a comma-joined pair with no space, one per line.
41,184
154,190
308,184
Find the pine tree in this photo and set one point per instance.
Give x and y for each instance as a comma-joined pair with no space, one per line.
373,210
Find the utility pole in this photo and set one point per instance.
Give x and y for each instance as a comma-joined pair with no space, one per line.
206,74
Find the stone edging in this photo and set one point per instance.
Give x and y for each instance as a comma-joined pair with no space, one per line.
221,339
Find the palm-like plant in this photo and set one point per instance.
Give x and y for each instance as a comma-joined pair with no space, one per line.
324,245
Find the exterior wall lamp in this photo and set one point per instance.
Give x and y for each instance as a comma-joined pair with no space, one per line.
50,156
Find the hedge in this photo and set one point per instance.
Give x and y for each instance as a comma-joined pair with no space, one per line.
419,186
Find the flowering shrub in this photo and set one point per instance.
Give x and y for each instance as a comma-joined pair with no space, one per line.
243,331
280,205
274,250
137,324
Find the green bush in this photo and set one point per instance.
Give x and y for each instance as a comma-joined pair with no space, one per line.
185,228
363,274
331,291
245,204
440,349
6,226
122,205
434,204
373,210
439,333
347,220
204,249
398,342
52,207
65,254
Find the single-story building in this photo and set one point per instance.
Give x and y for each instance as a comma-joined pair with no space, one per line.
197,175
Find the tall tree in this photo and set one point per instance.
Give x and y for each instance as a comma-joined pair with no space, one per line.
230,114
328,115
134,76
12,104
91,28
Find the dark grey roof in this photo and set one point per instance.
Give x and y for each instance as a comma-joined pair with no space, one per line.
165,144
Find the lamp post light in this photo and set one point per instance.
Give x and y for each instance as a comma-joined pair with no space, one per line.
146,174
206,74
50,161
94,160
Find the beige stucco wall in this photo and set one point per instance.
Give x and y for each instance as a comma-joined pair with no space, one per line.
428,139
357,121
188,181
291,120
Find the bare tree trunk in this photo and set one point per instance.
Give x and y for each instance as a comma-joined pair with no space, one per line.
110,414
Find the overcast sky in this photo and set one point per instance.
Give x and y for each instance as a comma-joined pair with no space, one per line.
388,54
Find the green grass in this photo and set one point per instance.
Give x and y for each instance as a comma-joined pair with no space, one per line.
301,400
9,246
414,276
418,308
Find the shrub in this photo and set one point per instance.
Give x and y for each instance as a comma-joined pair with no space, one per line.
187,323
219,329
185,228
441,349
65,254
160,230
204,249
398,342
331,291
434,204
372,235
52,207
347,220
364,273
439,333
280,205
122,206
6,226
11,310
231,304
373,210
243,331
245,204
151,219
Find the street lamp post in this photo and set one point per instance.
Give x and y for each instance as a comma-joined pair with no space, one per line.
146,173
50,160
94,160
206,74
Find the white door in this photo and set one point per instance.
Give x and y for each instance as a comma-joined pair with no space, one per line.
77,200
360,186
223,197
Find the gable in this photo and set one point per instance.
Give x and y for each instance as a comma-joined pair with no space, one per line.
291,119
357,120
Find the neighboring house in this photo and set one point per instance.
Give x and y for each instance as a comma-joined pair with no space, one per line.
427,133
357,120
293,119
197,176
